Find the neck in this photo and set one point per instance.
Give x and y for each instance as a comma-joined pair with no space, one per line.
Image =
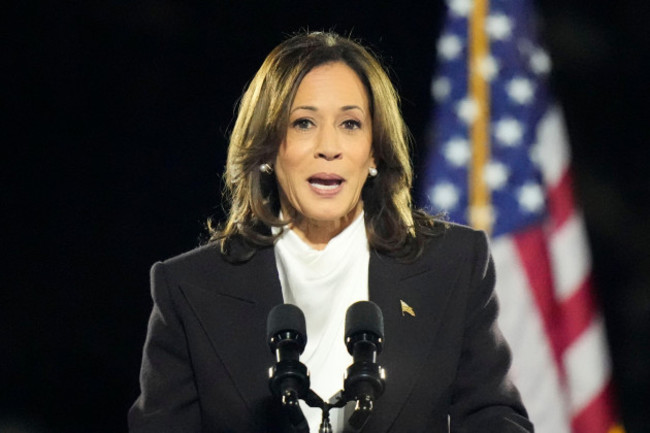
317,234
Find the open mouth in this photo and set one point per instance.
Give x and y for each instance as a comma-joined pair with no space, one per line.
325,182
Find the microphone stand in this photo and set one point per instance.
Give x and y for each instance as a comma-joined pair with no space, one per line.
364,382
362,409
357,420
291,395
313,400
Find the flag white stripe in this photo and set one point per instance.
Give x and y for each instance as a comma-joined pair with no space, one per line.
552,149
587,366
569,256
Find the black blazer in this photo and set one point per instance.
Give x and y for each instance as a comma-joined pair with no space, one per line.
205,362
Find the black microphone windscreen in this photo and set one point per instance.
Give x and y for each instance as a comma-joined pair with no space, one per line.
286,317
364,316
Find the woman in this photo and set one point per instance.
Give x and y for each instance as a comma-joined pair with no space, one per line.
319,180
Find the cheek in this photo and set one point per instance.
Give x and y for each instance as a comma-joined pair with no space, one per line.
365,157
290,155
281,176
286,173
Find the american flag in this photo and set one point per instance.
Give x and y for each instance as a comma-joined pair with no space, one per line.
499,161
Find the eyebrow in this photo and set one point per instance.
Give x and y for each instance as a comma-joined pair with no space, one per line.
312,108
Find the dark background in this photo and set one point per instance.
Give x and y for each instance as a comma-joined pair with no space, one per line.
115,137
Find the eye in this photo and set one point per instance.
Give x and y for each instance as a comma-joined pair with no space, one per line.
302,123
351,124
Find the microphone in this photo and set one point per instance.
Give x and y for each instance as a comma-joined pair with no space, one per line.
364,379
288,378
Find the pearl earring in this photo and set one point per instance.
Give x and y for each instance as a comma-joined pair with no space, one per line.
266,168
372,171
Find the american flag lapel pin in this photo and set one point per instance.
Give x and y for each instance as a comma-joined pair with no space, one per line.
406,309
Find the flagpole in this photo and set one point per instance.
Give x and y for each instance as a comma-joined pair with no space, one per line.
480,214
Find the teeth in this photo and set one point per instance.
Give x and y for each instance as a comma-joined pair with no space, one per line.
325,187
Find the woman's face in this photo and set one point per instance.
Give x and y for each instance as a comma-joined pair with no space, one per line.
322,164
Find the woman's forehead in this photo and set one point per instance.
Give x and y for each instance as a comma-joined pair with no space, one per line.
331,83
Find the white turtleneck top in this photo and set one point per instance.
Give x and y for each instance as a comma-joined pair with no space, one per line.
323,284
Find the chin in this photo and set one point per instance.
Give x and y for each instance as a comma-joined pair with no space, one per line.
331,215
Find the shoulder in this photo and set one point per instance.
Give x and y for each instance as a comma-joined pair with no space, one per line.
460,232
454,250
459,247
207,262
204,260
204,255
458,240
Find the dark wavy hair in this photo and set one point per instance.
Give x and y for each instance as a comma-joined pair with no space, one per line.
392,225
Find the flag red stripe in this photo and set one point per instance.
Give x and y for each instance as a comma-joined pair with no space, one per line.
577,313
597,416
560,200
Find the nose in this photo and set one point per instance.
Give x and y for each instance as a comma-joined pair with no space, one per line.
327,145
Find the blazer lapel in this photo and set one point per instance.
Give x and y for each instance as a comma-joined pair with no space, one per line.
425,287
232,306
